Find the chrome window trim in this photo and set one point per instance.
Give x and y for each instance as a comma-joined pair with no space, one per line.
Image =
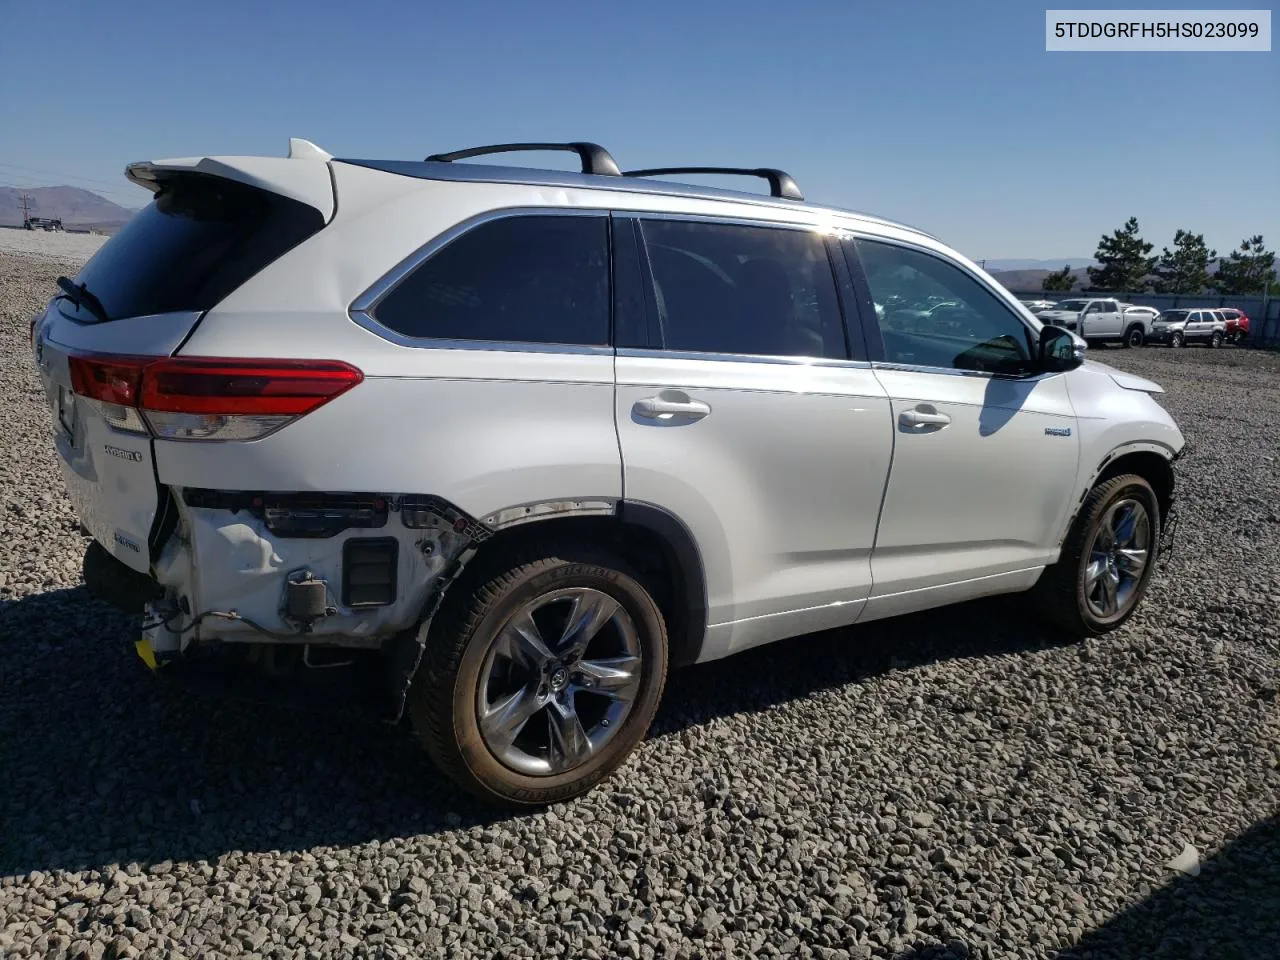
646,353
1003,299
732,220
361,310
953,372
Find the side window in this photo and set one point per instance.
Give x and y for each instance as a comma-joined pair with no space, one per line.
522,279
726,288
933,313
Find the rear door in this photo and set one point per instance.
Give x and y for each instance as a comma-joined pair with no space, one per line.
135,302
1198,325
742,411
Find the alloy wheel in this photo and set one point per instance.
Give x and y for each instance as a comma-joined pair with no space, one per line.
1118,557
558,681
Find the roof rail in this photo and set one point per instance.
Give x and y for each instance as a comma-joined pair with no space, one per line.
595,158
780,182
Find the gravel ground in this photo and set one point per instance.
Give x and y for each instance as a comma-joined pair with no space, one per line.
949,785
76,247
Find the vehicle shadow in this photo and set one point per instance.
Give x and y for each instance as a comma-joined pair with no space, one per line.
104,763
1230,911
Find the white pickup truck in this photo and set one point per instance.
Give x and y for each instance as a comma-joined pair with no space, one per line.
1099,319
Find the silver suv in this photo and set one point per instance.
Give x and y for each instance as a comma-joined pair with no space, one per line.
525,438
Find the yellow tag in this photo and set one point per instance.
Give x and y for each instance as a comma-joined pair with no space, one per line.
148,655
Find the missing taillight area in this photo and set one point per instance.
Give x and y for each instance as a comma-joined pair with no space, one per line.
208,398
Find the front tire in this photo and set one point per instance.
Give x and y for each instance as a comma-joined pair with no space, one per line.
542,672
1107,561
1177,340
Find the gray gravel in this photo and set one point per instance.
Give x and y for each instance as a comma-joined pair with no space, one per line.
49,243
948,785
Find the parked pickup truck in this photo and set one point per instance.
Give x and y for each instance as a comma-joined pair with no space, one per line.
1099,319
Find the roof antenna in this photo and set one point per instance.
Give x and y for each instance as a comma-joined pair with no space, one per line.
300,149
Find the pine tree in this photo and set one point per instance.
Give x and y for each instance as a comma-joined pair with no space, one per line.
1060,281
1123,260
1251,269
1185,268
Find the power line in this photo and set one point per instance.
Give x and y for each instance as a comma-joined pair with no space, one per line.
54,173
52,178
106,192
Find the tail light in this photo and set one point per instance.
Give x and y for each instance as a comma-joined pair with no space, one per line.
202,398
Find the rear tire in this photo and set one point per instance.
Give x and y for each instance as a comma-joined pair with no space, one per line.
1096,585
1133,336
519,729
1216,340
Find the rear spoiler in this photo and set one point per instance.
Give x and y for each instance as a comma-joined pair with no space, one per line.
302,176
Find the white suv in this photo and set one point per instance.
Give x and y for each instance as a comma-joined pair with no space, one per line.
531,436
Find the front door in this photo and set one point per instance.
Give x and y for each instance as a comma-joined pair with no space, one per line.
985,455
1199,325
742,414
1103,320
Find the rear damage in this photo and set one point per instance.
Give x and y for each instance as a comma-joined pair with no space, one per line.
343,570
304,573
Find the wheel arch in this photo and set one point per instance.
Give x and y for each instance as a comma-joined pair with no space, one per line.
1149,461
657,543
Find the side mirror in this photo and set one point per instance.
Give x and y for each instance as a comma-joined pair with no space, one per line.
1059,350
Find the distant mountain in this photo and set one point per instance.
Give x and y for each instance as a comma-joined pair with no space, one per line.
1073,262
73,206
1028,281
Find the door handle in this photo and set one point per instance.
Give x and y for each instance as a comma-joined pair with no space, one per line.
923,418
654,408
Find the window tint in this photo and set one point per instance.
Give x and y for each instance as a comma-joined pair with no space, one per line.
199,239
726,288
535,279
935,314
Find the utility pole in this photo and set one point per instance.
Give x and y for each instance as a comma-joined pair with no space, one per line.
26,215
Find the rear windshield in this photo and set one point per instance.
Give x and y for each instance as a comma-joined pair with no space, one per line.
199,239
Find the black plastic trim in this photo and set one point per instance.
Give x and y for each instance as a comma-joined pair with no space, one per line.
319,515
691,580
632,321
865,308
362,556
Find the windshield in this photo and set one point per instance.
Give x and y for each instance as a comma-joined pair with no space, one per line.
1070,305
1173,316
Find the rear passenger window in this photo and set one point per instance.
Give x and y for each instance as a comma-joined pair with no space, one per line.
535,279
725,288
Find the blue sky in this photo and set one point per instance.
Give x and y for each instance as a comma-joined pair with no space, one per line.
948,116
